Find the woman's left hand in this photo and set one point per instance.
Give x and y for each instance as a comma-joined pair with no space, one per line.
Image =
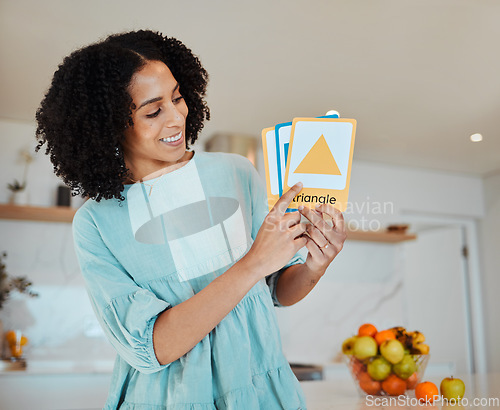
325,241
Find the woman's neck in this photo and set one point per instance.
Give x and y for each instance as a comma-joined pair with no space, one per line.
144,172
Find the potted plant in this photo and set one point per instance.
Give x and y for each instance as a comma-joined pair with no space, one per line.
8,284
19,194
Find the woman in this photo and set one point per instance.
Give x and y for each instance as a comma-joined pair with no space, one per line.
182,264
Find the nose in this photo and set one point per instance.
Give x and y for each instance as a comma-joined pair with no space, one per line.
174,117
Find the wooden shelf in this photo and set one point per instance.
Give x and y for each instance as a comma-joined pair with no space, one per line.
66,214
380,236
35,213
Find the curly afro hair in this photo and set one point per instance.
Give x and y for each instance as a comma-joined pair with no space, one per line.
87,107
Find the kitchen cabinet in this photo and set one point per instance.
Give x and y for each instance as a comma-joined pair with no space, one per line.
56,385
23,391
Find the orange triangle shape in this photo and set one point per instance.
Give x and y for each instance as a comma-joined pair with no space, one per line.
319,160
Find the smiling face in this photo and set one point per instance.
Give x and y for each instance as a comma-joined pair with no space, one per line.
157,138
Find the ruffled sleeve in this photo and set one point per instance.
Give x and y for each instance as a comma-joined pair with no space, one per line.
126,312
259,211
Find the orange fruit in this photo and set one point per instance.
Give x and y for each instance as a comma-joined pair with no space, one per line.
11,337
426,391
16,351
367,384
412,381
384,335
394,386
367,329
357,366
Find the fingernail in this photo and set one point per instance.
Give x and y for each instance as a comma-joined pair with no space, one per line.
301,207
317,206
299,185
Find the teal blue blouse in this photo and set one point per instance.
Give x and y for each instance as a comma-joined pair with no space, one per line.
166,241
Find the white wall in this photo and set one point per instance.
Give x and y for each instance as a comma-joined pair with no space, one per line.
60,323
43,251
42,183
417,190
490,246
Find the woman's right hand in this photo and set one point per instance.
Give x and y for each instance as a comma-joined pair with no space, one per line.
279,237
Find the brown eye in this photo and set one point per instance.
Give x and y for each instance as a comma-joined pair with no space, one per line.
155,114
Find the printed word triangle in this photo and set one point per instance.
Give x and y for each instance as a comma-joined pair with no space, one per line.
319,160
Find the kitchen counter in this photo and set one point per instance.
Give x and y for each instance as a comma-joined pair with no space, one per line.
481,391
71,386
59,367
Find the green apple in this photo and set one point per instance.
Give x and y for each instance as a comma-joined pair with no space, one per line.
452,389
379,369
364,347
348,345
405,368
392,350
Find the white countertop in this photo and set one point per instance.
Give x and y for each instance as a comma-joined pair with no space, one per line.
71,386
55,367
481,392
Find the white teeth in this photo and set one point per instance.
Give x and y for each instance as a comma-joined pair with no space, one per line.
172,139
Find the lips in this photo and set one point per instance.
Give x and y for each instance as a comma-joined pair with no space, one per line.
174,140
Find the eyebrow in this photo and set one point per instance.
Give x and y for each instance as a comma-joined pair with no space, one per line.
152,100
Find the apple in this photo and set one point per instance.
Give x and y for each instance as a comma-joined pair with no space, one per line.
405,368
452,389
365,347
348,344
392,350
379,369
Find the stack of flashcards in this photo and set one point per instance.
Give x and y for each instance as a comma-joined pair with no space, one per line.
315,151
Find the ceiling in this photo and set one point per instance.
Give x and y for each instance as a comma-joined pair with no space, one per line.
419,76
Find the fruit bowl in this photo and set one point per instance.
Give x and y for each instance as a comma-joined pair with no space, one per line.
392,384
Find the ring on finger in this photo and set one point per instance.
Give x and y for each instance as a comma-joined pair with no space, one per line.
325,247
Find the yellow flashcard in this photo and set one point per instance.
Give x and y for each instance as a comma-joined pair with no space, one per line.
269,150
320,156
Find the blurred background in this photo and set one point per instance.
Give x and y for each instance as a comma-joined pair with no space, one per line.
420,78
